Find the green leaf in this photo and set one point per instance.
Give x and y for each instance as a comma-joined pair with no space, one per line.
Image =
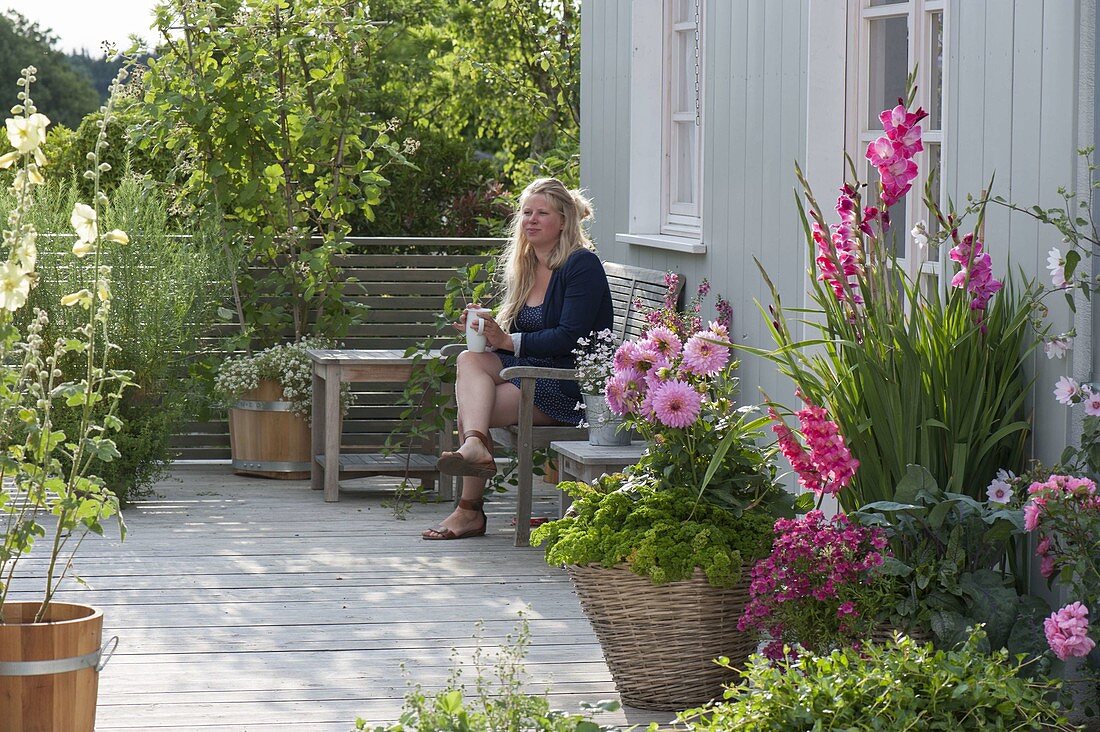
917,480
1073,258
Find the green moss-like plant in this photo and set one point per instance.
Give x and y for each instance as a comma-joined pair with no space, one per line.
663,534
898,686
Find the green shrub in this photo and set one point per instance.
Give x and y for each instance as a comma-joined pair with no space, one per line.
163,290
663,534
902,686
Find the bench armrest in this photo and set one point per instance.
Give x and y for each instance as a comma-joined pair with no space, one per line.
451,349
538,372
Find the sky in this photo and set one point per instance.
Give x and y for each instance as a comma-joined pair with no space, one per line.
83,24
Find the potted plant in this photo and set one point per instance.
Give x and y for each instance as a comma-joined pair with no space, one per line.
594,369
51,650
270,396
659,554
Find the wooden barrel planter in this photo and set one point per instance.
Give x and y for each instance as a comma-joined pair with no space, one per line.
661,641
49,671
266,438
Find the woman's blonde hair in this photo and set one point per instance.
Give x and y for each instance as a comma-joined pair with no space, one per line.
518,262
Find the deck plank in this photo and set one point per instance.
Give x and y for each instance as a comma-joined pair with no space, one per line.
247,604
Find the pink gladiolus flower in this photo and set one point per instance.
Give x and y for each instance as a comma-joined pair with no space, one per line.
703,357
1067,391
676,404
825,465
975,271
1067,632
892,153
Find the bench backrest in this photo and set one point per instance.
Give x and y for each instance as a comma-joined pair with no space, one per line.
636,291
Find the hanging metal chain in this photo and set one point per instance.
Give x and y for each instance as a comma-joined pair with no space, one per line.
698,68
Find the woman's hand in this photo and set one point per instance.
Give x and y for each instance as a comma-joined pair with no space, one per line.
494,334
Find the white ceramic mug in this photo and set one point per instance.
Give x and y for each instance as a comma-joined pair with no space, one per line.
475,329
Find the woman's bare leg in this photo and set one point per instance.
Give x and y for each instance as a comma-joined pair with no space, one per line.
479,408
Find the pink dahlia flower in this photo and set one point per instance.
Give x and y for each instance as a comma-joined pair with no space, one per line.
702,356
665,343
676,403
1067,632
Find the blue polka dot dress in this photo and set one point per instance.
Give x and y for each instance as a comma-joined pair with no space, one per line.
556,399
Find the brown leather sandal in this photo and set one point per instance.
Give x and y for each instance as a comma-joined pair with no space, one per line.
442,533
453,463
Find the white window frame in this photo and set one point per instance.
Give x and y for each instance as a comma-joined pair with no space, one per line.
858,134
653,220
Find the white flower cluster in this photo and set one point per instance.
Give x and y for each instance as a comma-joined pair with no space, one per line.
288,364
595,354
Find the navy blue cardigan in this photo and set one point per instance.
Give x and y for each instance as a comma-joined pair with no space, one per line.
578,301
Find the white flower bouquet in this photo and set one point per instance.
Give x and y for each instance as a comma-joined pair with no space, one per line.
594,360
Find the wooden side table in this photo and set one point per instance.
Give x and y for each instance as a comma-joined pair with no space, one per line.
578,460
333,367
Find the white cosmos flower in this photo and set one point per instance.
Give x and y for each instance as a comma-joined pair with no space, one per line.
15,285
84,223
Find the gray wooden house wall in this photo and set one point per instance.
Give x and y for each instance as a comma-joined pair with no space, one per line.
1021,101
755,129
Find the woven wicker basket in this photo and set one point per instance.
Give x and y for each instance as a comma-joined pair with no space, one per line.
884,635
660,641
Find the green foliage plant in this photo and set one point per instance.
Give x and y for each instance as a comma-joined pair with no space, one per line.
951,559
266,104
911,377
495,704
45,471
660,532
901,686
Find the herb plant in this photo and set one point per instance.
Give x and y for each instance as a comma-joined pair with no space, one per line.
657,530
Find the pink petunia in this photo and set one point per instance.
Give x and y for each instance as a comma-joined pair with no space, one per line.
703,356
676,404
1067,632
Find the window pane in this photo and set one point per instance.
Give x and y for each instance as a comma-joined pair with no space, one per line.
683,83
888,62
685,11
935,66
932,162
683,163
876,3
898,236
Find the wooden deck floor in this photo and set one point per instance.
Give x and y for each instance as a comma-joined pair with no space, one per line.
245,604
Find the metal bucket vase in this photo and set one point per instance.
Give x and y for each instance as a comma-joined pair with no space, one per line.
266,438
603,424
49,671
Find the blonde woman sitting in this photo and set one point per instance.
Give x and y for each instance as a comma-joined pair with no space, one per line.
555,291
